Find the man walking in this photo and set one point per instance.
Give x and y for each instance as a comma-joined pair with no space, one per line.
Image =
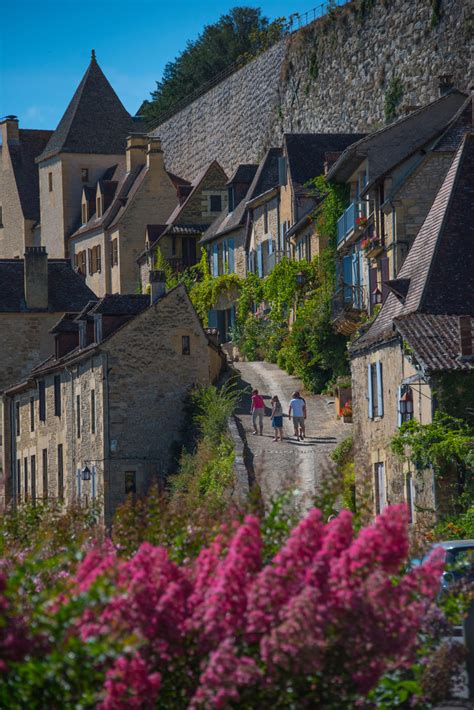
257,410
298,412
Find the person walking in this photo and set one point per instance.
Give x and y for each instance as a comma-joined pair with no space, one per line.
277,418
257,410
297,411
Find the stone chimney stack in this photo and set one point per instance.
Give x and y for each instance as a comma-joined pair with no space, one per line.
157,285
10,132
36,278
154,154
135,151
445,84
465,336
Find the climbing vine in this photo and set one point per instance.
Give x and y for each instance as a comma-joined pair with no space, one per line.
393,96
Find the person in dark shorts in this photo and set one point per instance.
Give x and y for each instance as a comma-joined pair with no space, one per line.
298,413
277,418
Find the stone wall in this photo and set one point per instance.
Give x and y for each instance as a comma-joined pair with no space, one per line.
333,75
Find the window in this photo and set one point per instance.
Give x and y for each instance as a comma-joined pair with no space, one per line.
33,478
84,213
32,413
114,252
92,411
99,206
95,260
380,492
375,390
173,246
98,327
231,198
215,203
17,417
42,400
25,475
18,479
60,473
186,345
130,482
98,259
57,395
45,473
80,262
50,181
410,497
85,174
1,216
265,218
78,416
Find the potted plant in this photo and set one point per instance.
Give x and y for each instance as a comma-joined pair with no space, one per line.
346,412
361,222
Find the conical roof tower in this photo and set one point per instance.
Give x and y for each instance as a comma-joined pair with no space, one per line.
95,120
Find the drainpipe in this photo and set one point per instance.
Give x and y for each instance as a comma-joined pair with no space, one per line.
73,432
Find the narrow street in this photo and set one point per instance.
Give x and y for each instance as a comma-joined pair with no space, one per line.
291,464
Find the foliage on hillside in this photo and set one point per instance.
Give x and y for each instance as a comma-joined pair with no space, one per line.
240,34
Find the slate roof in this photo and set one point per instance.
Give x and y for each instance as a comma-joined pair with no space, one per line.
244,173
25,170
387,147
435,340
121,305
265,178
66,324
67,290
439,266
306,153
95,120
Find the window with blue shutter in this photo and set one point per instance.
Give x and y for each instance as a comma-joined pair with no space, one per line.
370,393
270,246
260,260
224,257
231,257
212,319
379,389
215,260
347,277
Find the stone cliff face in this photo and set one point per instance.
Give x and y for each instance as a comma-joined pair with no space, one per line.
348,71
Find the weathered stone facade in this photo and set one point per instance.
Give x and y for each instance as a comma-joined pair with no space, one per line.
333,75
117,409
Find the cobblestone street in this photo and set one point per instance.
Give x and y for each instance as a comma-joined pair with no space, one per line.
291,464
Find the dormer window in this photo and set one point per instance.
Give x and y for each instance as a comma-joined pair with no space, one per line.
84,213
82,334
85,174
50,182
215,203
230,193
99,206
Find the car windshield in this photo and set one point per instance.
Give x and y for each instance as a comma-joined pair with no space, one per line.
460,559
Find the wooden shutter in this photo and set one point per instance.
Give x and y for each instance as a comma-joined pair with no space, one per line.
379,389
370,398
231,257
347,277
215,260
98,258
372,287
270,246
260,260
90,257
212,319
225,263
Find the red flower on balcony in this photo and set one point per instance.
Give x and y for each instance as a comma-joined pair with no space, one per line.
361,221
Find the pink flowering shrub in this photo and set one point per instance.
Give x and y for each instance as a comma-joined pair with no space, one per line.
317,626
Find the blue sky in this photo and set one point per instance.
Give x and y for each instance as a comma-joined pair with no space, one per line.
45,47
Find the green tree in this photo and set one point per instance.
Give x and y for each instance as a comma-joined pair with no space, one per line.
240,34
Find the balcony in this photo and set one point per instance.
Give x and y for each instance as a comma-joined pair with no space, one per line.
348,308
353,220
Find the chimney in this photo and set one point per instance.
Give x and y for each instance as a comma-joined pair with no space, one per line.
465,336
445,84
36,278
157,285
10,132
135,151
154,154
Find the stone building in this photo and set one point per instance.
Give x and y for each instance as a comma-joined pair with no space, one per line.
19,187
102,416
178,238
393,176
115,212
34,293
417,355
89,139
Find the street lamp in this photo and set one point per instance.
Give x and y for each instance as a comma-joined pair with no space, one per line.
86,473
406,403
376,295
300,278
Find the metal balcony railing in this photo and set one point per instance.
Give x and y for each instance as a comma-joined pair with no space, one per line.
348,298
347,222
